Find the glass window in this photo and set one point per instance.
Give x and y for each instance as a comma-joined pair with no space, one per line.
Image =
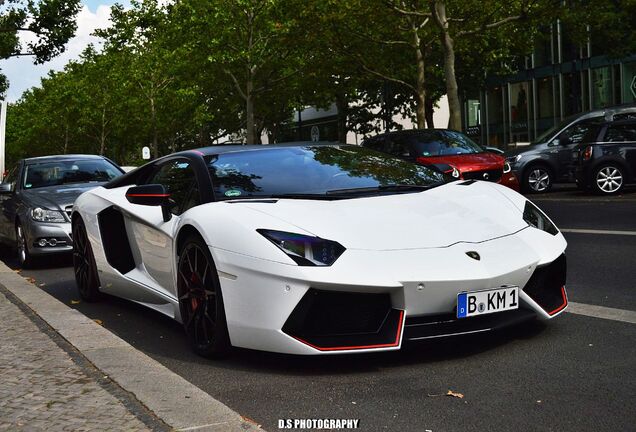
180,182
311,170
629,82
519,102
437,143
473,112
545,97
601,87
572,93
543,50
11,176
621,133
575,133
37,175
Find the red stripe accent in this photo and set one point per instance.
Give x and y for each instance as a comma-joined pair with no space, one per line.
148,195
357,347
565,302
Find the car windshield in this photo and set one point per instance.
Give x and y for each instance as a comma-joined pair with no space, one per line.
315,172
61,172
553,130
447,143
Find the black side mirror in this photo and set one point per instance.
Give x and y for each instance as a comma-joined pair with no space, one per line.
6,188
151,195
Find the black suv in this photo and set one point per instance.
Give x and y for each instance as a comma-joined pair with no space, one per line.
548,159
605,161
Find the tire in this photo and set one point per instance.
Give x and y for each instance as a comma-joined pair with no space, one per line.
25,258
84,265
537,179
608,179
201,300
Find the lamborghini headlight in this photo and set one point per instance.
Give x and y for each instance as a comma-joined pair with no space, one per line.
43,215
536,218
305,250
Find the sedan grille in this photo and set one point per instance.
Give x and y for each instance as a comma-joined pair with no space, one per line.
488,175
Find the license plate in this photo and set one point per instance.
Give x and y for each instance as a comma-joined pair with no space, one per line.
488,301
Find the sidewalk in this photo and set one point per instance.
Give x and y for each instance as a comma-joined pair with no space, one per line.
43,389
61,371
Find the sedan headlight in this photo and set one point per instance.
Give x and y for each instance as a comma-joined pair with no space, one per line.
536,218
514,159
507,168
43,215
305,250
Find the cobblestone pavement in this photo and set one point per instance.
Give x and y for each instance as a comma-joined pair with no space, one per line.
42,389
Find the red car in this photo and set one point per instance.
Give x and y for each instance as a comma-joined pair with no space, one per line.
448,150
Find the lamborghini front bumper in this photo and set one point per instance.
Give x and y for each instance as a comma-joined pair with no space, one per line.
376,300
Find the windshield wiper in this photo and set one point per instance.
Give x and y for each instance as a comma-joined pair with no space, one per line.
381,188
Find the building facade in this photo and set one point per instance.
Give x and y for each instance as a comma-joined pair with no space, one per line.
560,79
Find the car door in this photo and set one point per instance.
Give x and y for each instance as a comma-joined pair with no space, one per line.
8,205
152,235
623,144
561,151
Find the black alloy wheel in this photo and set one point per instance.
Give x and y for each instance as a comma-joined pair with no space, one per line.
24,256
84,264
200,300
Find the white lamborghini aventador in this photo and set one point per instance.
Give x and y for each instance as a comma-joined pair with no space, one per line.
312,249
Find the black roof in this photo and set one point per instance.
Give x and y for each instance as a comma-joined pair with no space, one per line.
220,149
53,158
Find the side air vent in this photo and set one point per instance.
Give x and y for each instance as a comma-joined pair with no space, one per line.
466,183
337,320
547,286
115,240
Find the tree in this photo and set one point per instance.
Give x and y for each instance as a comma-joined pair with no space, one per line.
47,24
250,44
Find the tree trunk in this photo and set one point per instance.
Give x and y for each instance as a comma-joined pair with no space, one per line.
155,136
102,136
66,139
420,95
454,107
429,112
342,106
249,108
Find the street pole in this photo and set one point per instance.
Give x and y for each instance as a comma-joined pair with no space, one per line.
3,126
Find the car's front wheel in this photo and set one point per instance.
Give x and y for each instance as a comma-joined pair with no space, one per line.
201,300
608,179
24,255
84,264
537,179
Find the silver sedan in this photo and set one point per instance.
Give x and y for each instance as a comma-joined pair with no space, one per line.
36,198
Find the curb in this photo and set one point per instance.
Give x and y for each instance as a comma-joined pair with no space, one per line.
174,400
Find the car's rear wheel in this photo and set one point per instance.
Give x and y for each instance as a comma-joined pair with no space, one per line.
201,300
537,179
608,179
84,264
24,255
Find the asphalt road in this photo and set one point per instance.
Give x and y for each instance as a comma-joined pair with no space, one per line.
577,373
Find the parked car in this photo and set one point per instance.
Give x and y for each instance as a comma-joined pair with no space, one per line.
605,161
446,148
316,249
548,159
36,198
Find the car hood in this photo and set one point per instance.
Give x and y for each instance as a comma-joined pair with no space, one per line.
532,148
467,162
439,217
56,197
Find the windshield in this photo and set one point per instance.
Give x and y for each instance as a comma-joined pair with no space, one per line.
545,136
437,143
314,171
69,171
